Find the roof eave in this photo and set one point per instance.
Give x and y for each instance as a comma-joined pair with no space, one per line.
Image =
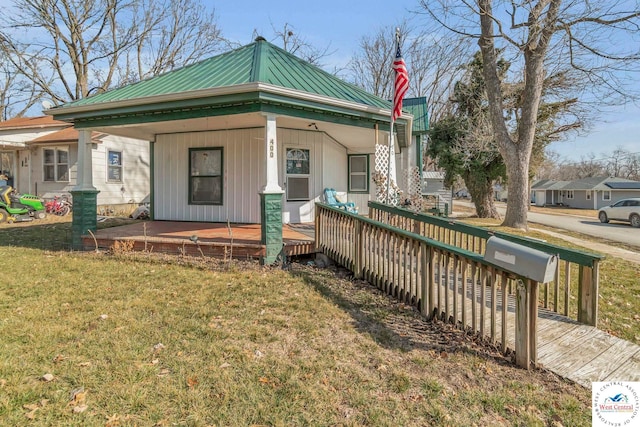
69,111
12,144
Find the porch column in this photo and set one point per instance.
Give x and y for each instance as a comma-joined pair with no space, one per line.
84,194
271,197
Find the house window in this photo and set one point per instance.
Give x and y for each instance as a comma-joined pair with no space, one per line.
56,164
205,176
569,194
114,166
298,170
359,173
606,195
588,194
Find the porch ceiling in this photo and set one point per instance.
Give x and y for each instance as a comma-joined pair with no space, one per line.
354,138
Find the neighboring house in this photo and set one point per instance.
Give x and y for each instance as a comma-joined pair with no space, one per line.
40,155
545,192
433,183
250,136
586,193
500,192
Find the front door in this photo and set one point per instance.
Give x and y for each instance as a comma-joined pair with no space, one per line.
298,185
8,166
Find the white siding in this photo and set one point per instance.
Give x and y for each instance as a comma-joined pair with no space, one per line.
48,188
26,135
336,167
243,165
135,186
362,199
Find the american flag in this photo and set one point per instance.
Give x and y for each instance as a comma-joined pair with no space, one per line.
401,83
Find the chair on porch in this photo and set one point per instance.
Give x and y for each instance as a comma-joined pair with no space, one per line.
332,198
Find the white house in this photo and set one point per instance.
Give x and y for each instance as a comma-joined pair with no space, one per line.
250,136
40,156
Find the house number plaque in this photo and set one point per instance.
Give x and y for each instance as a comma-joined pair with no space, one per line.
271,148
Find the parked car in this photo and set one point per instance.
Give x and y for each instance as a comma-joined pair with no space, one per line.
624,210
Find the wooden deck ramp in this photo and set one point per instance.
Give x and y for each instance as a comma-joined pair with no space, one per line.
575,351
463,288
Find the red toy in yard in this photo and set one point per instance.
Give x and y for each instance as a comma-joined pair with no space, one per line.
58,206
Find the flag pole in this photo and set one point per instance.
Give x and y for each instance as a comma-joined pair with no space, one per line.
391,143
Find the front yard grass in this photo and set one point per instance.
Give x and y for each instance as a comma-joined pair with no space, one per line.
118,340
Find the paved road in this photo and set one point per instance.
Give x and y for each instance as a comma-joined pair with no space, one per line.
617,232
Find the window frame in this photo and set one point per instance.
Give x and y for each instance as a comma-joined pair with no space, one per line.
606,199
219,176
366,174
588,194
569,194
56,164
110,166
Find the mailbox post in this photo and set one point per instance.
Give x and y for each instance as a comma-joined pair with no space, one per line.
532,267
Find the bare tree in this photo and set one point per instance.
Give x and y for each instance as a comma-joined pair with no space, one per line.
544,37
434,64
622,164
17,94
70,49
371,67
295,44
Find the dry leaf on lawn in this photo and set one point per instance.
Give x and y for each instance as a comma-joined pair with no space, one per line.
192,381
79,409
78,396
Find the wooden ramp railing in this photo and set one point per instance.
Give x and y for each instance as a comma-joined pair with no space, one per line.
441,280
576,269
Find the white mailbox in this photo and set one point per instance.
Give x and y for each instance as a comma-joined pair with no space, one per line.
521,260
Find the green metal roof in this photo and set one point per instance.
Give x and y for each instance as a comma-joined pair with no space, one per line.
258,62
417,107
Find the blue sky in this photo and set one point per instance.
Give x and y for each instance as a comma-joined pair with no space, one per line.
341,25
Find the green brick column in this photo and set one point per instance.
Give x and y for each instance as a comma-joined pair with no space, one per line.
271,225
85,204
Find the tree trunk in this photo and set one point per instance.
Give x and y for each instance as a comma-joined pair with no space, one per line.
481,192
518,187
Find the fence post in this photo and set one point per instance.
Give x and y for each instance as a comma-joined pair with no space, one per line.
532,288
318,227
526,322
358,250
588,282
522,326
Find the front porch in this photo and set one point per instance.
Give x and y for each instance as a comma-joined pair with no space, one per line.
202,239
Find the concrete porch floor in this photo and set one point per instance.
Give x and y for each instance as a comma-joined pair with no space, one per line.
213,239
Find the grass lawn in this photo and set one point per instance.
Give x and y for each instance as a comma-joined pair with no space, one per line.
122,340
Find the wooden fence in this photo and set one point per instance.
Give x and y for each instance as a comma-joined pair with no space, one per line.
576,269
441,280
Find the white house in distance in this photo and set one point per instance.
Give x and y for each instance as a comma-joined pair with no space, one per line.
254,135
40,156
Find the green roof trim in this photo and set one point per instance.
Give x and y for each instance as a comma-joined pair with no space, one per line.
417,107
258,62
